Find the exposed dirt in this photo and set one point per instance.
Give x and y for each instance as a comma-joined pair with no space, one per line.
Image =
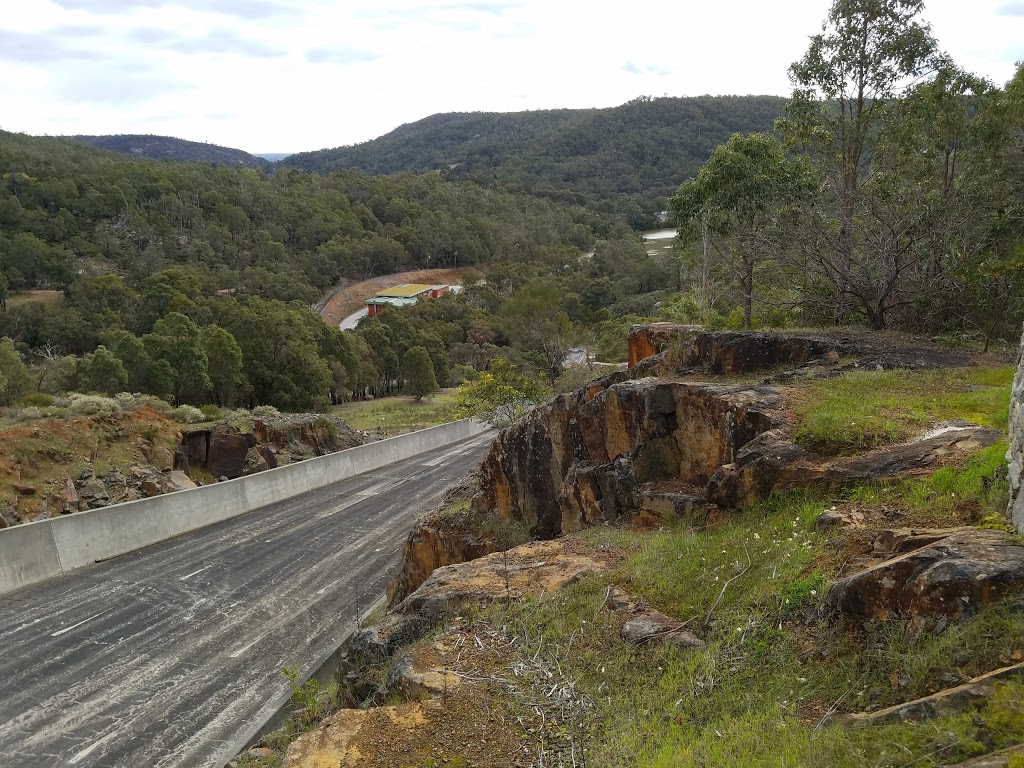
353,296
49,298
38,460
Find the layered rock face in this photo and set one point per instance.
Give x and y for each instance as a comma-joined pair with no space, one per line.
1015,455
649,449
225,451
584,458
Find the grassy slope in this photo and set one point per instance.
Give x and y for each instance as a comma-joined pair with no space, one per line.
398,415
758,694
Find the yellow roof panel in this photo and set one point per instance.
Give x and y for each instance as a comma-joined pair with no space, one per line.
409,289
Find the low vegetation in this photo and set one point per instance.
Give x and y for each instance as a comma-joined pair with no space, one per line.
865,409
397,415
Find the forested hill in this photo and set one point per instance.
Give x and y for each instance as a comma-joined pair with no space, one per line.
169,148
625,160
158,254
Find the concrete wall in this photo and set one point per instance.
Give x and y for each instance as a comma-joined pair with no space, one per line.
1015,455
36,551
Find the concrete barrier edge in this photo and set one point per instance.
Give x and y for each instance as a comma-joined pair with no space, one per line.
39,550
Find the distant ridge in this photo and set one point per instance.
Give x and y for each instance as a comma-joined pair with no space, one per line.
169,148
624,160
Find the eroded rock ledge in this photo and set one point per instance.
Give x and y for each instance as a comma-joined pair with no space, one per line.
648,449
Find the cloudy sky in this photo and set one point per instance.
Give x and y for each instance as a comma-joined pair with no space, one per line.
293,75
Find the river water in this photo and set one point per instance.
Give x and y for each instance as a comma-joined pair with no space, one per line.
659,241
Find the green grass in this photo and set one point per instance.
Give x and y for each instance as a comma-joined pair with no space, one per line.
397,415
941,498
757,694
864,409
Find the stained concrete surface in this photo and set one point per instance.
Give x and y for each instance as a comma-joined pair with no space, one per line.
165,656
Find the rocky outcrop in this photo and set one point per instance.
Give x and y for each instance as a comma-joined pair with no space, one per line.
226,450
645,626
950,578
530,569
648,340
452,533
730,353
771,462
951,701
1015,454
581,459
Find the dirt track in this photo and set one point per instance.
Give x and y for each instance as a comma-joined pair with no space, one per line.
352,297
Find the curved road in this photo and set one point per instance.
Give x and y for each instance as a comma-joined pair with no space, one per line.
168,656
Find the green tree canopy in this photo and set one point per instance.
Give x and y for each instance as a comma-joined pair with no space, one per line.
418,372
101,371
15,381
501,395
224,358
177,340
736,202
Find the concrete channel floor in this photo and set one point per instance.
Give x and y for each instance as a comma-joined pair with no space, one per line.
166,656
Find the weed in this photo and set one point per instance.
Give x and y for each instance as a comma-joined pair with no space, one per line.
310,700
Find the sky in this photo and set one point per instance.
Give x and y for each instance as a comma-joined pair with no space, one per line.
295,75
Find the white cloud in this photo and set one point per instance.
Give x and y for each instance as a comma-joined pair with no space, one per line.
289,75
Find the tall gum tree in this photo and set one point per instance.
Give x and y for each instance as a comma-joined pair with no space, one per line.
736,202
868,54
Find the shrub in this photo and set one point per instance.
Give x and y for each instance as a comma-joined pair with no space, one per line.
265,411
92,405
36,399
211,411
186,414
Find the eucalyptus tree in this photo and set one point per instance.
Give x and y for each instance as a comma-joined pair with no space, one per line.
868,54
737,201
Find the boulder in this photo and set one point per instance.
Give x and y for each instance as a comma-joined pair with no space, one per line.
150,487
951,578
178,481
847,519
227,452
949,702
1015,453
305,434
530,569
193,448
735,353
436,541
93,494
645,341
68,498
420,674
655,627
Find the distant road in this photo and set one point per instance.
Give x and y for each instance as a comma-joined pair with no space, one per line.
165,656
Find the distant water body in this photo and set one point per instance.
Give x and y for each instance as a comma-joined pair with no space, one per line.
659,234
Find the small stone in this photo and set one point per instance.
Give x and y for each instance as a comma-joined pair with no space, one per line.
659,628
